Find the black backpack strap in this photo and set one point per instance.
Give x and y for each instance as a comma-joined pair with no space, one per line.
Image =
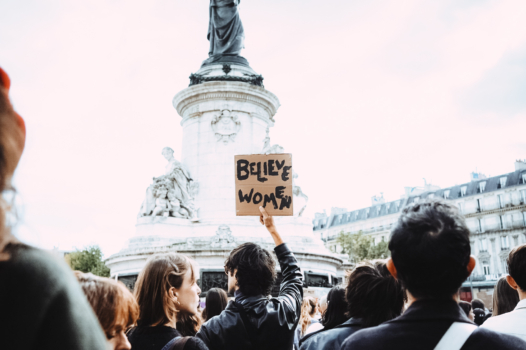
180,343
251,329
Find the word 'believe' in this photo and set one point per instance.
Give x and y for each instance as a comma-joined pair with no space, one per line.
270,168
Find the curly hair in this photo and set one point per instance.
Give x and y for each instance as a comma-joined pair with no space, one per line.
254,268
308,308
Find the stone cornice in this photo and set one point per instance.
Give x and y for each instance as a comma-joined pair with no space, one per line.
224,91
496,211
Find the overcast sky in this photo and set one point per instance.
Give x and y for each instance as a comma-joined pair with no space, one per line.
375,96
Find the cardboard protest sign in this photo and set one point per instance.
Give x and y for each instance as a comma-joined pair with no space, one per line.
264,180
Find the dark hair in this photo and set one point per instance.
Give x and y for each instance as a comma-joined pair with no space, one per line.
216,300
517,265
505,298
256,269
187,324
335,314
478,304
373,294
160,273
464,305
430,249
479,316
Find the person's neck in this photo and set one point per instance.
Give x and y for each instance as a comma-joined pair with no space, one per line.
522,294
411,299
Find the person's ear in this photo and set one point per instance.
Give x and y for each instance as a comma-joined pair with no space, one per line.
173,294
471,264
391,267
512,282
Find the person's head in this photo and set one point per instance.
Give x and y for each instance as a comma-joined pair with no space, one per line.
166,286
505,298
479,316
517,269
335,313
430,250
478,304
12,140
114,306
323,304
168,153
251,269
308,309
373,294
216,300
466,307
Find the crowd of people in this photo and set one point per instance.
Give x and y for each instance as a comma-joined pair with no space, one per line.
408,301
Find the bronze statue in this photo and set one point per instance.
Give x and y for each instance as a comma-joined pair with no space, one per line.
225,30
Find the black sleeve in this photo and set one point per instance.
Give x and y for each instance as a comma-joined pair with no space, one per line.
291,290
195,344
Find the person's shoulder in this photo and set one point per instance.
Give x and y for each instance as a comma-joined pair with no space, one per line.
364,338
37,267
195,344
488,339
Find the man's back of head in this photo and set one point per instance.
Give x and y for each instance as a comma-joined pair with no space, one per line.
430,249
477,304
254,270
517,267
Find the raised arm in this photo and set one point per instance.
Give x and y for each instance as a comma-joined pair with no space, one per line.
268,221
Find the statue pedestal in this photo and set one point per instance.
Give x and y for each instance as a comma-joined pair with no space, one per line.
221,119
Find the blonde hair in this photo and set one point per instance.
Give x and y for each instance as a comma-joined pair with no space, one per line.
160,273
308,308
112,302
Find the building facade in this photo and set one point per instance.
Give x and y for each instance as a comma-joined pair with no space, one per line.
495,212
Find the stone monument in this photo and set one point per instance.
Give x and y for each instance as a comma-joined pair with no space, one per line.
190,209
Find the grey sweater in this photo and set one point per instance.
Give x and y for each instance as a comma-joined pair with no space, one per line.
42,305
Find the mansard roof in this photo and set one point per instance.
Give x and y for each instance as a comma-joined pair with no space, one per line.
455,192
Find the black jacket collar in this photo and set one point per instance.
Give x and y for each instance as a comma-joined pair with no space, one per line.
433,309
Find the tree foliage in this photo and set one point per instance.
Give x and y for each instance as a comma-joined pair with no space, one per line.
88,260
361,247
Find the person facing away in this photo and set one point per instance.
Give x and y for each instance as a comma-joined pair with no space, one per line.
430,256
166,286
307,319
188,324
335,314
41,303
216,301
513,322
372,296
114,306
505,298
254,320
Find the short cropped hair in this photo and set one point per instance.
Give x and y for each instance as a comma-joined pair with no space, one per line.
478,304
373,294
256,269
430,249
112,302
517,265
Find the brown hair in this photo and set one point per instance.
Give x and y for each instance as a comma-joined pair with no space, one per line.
187,324
112,302
505,298
308,307
161,273
216,301
11,145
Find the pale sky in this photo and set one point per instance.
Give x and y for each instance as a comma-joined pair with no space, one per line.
375,96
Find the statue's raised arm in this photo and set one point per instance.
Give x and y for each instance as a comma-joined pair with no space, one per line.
225,30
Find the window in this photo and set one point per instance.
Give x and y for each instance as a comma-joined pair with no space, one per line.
460,207
485,267
483,245
501,223
478,206
367,212
504,265
482,186
431,195
446,194
379,209
523,196
524,178
463,190
502,182
480,225
501,201
504,242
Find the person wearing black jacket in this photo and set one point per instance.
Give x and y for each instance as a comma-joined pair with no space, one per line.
254,320
430,255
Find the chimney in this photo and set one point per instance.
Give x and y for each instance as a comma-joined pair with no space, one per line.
520,164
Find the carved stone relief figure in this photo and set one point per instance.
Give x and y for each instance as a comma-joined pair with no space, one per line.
225,126
171,194
223,237
271,149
